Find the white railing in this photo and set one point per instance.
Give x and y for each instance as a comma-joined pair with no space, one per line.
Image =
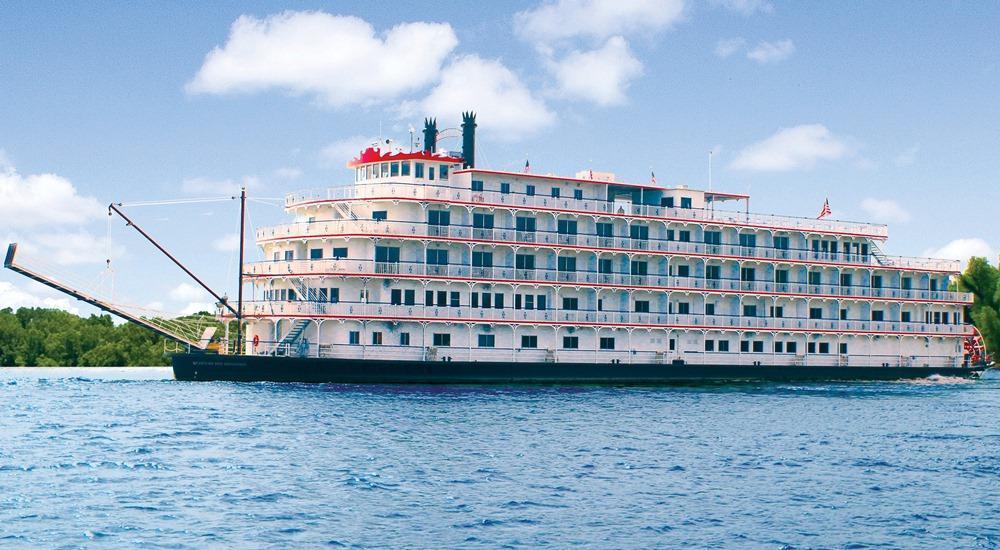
405,188
300,230
295,309
510,275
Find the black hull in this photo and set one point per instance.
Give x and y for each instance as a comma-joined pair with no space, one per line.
206,367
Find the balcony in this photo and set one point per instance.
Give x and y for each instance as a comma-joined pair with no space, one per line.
407,188
508,274
551,239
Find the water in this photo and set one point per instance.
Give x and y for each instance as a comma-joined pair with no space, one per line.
126,457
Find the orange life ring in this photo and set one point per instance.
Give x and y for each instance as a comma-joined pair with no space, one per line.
256,340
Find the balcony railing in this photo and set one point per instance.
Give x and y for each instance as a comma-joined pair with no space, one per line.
591,317
625,244
508,274
403,189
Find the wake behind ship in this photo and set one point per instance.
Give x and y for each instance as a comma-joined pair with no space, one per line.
429,269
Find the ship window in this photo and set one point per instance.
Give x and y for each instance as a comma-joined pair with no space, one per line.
555,192
824,347
540,302
843,314
396,297
878,315
443,172
904,316
814,278
811,347
316,254
758,346
604,265
639,232
487,340
482,221
713,237
713,272
684,236
637,267
388,254
748,240
709,309
487,300
578,194
376,338
442,340
475,300
607,343
642,306
354,338
683,308
779,347
442,298
906,283
815,313
371,171
724,345
526,225
571,342
380,215
334,295
605,229
667,202
781,276
438,217
430,172
418,169
685,202
405,169
404,338
289,255
339,253
571,304
749,310
745,346
529,190
670,234
567,263
843,348
524,261
504,187
482,259
409,297
498,300
477,185
454,298
437,256
529,341
778,311
385,169
748,274
791,347
709,345
394,169
567,227
683,271
877,281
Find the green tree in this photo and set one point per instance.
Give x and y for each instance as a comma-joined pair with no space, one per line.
983,281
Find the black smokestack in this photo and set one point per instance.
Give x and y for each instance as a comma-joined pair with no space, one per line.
469,140
430,135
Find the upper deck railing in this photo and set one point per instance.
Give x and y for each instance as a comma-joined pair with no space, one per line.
407,188
555,240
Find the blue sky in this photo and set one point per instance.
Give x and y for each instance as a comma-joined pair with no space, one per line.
889,109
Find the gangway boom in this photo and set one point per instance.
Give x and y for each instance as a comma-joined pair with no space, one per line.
103,305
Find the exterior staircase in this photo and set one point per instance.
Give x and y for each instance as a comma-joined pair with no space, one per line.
345,210
879,256
287,344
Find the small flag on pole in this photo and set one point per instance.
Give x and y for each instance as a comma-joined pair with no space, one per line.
652,177
527,167
826,210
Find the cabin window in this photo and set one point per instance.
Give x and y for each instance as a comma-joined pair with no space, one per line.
418,169
482,221
748,240
749,310
339,253
529,190
441,340
487,340
607,343
566,263
525,224
385,169
904,316
380,215
404,338
758,346
437,256
394,169
604,265
555,192
578,194
605,229
779,347
443,172
683,271
724,345
824,347
567,227
529,341
289,255
685,202
405,169
709,309
709,345
667,202
713,272
843,348
482,259
571,342
684,236
642,306
316,254
387,254
438,217
334,295
713,237
791,347
878,315
430,172
781,243
376,338
815,313
571,304
814,278
524,261
639,232
354,338
504,187
477,185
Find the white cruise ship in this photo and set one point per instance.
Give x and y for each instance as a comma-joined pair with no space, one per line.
427,259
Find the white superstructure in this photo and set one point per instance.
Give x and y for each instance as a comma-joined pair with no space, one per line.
426,258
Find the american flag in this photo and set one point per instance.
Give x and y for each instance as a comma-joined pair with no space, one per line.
652,178
826,210
527,166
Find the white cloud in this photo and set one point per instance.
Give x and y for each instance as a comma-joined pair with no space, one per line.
601,75
791,149
218,187
227,243
728,46
772,52
907,157
288,173
885,210
745,7
336,154
16,297
488,87
186,292
599,19
962,250
42,200
71,248
340,60
197,307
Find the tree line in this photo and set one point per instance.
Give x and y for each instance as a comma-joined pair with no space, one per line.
983,280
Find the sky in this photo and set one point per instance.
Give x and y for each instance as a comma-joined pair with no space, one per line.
888,109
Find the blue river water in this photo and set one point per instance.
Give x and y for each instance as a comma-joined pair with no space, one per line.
128,457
